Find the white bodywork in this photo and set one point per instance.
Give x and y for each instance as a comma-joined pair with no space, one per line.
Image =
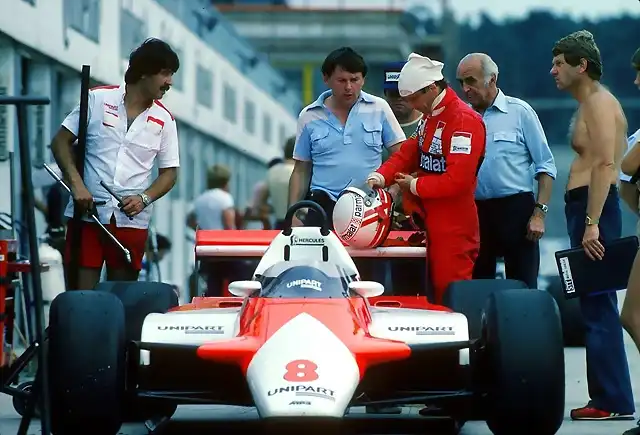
304,338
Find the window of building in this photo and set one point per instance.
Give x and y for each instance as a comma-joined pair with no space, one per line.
204,87
266,128
83,16
250,116
190,173
176,192
282,135
132,32
230,105
178,77
4,126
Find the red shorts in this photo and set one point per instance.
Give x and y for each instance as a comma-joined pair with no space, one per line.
97,248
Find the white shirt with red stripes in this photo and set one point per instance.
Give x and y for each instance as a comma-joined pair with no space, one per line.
122,156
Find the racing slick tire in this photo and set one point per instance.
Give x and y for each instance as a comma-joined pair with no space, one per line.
573,328
522,363
141,298
86,382
469,298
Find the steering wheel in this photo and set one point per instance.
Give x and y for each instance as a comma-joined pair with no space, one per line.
324,229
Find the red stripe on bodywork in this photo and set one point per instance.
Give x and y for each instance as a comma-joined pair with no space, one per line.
347,319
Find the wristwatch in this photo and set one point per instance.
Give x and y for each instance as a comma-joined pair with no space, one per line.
542,207
590,221
145,199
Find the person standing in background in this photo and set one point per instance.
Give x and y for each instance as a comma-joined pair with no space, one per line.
278,178
257,215
407,116
517,152
214,208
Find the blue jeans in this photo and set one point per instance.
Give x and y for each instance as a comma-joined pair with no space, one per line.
607,367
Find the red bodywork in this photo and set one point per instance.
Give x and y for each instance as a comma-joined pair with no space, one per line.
349,318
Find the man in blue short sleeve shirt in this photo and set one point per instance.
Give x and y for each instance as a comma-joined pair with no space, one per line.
340,136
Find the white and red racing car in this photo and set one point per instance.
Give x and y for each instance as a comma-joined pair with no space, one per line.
304,337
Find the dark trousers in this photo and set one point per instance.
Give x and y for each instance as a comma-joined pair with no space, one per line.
607,368
218,273
503,233
314,219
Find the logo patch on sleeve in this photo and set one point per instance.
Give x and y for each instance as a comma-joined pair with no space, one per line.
460,143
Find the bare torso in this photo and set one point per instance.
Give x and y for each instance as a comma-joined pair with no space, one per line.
580,172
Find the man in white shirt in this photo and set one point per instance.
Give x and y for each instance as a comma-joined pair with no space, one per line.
214,209
128,131
278,183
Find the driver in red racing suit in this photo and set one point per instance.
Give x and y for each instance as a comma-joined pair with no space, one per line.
446,152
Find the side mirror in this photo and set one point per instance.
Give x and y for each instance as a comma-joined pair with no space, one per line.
367,289
242,289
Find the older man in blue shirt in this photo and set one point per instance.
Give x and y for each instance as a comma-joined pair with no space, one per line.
511,218
341,135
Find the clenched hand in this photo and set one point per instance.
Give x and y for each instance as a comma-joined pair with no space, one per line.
82,197
132,205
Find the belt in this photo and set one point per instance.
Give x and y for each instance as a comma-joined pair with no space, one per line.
582,193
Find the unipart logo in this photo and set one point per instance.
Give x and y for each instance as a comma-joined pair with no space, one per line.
306,283
189,329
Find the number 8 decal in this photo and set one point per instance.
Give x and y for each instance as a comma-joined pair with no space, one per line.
301,370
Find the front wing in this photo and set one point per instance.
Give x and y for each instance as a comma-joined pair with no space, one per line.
178,374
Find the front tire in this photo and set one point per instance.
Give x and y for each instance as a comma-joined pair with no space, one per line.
86,359
523,362
141,298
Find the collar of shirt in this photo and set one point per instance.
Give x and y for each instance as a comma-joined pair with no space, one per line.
500,103
319,103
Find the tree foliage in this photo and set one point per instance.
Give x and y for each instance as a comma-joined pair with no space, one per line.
522,49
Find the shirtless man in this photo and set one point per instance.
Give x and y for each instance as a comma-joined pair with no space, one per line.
598,135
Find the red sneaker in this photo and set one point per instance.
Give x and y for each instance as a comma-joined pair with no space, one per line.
591,413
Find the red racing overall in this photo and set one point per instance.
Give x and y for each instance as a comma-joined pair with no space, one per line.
446,152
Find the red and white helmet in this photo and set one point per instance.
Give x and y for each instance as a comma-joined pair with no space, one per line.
362,216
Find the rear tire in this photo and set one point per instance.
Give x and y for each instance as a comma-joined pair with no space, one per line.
469,298
86,380
141,298
523,363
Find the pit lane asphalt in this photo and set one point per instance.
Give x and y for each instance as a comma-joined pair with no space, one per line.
205,420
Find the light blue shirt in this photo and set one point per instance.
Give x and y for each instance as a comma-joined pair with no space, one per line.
343,155
631,141
517,150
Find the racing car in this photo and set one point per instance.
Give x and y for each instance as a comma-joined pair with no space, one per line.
305,337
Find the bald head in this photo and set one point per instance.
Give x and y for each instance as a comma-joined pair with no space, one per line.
478,74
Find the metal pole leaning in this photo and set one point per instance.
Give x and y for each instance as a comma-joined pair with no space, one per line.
93,216
42,377
74,232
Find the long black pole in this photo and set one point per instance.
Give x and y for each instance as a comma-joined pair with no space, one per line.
79,152
28,202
